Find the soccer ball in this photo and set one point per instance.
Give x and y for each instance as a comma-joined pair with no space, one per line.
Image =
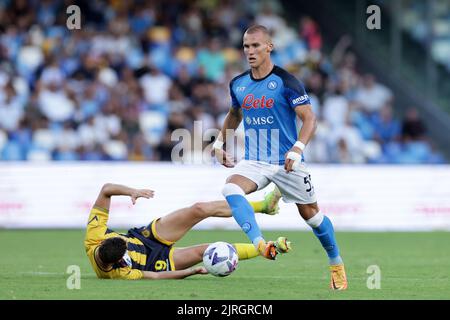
220,259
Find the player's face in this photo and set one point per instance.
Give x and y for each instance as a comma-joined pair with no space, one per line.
257,48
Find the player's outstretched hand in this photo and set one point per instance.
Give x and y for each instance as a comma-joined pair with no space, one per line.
199,270
141,193
224,158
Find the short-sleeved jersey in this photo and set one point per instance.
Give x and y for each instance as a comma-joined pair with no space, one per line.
268,107
135,259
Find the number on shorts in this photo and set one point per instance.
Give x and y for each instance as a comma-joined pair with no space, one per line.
307,181
160,265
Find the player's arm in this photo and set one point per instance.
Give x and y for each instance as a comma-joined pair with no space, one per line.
98,217
309,126
177,274
232,121
111,189
305,113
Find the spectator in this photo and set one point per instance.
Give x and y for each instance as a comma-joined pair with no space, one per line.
140,151
55,103
371,95
413,127
164,150
156,86
11,109
335,108
268,18
212,60
118,88
347,144
309,30
386,127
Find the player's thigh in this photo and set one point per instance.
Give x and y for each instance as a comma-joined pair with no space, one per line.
247,185
187,257
174,226
250,176
295,187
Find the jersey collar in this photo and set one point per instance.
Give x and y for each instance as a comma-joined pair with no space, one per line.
271,71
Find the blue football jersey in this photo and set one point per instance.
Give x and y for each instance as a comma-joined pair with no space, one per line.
268,112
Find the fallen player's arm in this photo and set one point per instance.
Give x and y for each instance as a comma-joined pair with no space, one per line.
111,189
177,274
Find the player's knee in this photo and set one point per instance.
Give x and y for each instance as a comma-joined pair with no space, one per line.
232,189
308,211
200,251
200,209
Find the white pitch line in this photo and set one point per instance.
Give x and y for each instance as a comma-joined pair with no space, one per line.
40,273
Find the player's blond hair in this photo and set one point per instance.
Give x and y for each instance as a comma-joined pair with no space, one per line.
259,28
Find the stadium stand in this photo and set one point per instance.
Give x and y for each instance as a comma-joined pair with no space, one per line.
414,22
117,88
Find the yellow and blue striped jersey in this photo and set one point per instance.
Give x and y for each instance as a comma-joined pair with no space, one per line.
96,232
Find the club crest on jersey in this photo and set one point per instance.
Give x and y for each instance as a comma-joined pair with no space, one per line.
272,85
250,102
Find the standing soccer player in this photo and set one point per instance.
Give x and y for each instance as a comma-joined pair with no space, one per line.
268,99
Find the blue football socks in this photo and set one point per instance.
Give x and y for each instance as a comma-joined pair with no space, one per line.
243,213
324,231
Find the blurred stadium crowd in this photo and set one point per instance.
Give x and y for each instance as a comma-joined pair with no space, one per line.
137,70
414,21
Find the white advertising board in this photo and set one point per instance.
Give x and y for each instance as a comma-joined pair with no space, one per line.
360,198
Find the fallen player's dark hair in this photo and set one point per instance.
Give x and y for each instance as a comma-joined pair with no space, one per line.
112,250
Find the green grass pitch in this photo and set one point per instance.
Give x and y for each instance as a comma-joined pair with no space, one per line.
33,265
